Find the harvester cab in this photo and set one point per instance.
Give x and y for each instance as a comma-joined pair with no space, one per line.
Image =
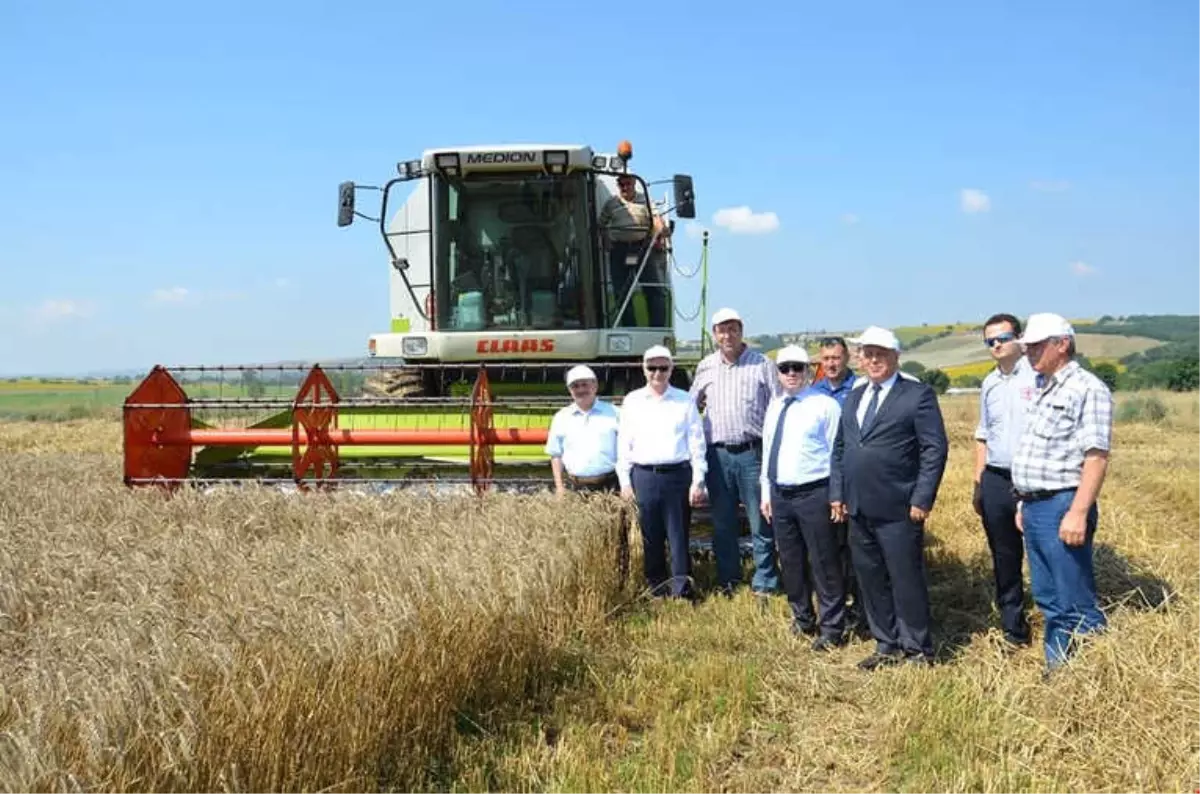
527,258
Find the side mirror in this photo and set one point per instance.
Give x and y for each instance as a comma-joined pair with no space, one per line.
345,204
685,196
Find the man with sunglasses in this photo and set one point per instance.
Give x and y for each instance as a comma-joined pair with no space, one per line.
733,386
1008,392
799,432
661,465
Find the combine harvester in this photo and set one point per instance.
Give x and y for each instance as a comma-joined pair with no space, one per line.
498,285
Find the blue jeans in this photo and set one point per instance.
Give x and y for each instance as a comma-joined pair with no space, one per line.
733,477
1062,577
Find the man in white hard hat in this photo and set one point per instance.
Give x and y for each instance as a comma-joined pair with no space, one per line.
1057,472
661,465
582,442
798,433
888,461
733,386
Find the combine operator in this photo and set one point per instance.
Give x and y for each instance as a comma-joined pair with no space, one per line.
628,223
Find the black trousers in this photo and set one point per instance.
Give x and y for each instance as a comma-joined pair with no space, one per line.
806,537
889,559
662,500
1008,551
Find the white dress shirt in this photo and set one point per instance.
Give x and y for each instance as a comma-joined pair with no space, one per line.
658,431
585,440
885,389
808,431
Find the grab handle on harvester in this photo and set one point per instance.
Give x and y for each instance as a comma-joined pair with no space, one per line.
159,437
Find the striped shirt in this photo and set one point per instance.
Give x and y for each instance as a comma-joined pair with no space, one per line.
1071,415
736,395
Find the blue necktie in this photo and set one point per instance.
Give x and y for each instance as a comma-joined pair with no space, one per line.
773,460
872,406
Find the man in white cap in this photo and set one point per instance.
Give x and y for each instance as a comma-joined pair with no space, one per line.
798,433
733,386
1057,471
888,461
661,465
582,442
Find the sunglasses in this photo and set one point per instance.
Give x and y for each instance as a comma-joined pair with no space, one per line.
657,367
830,341
789,368
999,340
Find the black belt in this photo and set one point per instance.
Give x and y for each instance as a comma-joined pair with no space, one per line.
1000,472
795,490
662,468
741,446
1037,496
595,479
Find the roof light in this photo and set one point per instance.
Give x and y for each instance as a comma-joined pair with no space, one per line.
448,162
555,160
409,169
625,150
599,162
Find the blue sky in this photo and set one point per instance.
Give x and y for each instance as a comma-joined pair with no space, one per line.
172,170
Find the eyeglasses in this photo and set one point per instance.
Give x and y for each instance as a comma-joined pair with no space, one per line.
1000,339
790,368
657,367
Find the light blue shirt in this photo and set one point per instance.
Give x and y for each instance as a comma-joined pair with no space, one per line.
841,391
586,441
809,428
1004,402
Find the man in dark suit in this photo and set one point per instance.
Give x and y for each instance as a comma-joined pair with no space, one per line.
888,460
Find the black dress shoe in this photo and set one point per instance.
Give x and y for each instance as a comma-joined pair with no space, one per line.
807,629
877,660
821,644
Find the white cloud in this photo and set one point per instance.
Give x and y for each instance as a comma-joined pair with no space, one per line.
172,295
973,201
1082,268
53,309
742,220
1050,185
850,219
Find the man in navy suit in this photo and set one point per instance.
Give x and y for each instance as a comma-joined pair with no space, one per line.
888,460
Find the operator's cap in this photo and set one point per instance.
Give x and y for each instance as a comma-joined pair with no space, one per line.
792,354
580,372
657,351
879,337
724,316
1043,326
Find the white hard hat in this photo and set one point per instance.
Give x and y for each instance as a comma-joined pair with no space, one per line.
1044,326
657,351
580,372
879,337
724,316
791,353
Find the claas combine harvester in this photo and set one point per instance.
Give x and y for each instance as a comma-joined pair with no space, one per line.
499,282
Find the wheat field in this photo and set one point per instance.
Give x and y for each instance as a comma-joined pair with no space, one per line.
256,640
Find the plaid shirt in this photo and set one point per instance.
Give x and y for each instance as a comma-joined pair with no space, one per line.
736,395
1072,414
